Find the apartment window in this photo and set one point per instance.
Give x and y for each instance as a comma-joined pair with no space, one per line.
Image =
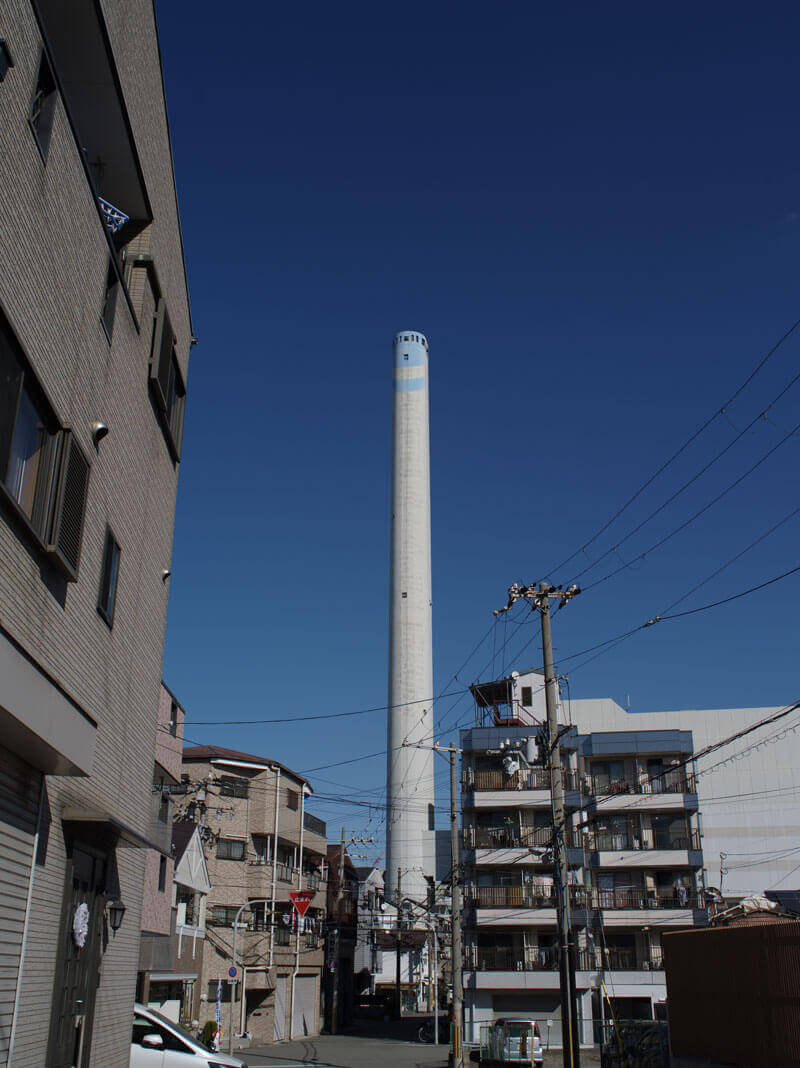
224,915
292,800
43,470
162,875
43,106
108,580
110,300
173,719
166,380
527,696
230,849
232,786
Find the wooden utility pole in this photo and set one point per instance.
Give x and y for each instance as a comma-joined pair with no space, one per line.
398,998
456,1058
337,954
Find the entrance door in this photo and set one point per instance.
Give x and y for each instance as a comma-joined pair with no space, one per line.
303,1015
78,965
280,1008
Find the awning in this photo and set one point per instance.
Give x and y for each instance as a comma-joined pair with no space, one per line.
171,977
259,978
106,828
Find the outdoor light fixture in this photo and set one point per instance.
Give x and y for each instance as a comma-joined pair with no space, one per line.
5,59
116,910
99,431
165,574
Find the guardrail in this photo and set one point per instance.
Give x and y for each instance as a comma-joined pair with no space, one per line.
618,840
518,897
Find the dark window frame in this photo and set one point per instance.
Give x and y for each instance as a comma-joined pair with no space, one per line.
41,114
109,578
54,520
234,786
292,799
173,719
166,380
225,851
109,308
162,874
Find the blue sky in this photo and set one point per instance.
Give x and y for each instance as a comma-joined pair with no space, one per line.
593,213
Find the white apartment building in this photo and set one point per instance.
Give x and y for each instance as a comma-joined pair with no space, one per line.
643,831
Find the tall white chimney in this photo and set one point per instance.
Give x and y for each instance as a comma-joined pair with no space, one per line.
410,839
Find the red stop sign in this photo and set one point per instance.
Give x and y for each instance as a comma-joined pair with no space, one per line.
301,899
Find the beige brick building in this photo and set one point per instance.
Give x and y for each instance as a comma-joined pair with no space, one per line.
95,333
261,844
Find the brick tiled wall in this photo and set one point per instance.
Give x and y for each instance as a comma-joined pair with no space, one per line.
53,262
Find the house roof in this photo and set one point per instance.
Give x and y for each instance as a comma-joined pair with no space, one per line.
197,754
182,832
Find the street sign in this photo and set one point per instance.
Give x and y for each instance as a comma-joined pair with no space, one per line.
301,899
232,973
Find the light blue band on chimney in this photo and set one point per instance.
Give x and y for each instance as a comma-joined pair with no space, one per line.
408,385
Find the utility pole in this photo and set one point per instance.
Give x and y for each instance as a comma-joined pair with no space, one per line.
337,954
398,1000
456,1059
571,1049
539,597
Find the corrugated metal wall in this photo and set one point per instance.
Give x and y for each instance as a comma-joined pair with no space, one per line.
733,994
20,787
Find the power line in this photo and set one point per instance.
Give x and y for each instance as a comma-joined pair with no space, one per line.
692,437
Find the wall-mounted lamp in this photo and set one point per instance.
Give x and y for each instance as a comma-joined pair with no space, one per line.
165,574
99,431
116,910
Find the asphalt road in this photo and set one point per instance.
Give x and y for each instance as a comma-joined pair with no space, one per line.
361,1051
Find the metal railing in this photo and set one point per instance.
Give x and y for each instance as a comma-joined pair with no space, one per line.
613,959
507,837
314,824
519,897
285,872
647,839
312,940
524,779
672,782
629,897
283,936
313,879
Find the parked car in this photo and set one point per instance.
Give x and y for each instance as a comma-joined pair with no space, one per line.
516,1042
159,1043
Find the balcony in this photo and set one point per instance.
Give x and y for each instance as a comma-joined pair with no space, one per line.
673,782
618,841
315,825
629,960
635,898
524,779
519,959
284,872
518,897
507,837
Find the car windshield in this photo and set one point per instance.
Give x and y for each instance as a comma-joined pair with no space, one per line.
184,1036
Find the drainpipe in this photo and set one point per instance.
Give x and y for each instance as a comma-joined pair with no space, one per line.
277,773
299,887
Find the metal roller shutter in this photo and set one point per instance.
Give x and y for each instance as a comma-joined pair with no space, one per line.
280,1008
303,1016
20,787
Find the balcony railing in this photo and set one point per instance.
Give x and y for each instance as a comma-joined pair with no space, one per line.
648,839
672,782
634,898
284,872
312,940
314,824
628,960
524,779
518,897
533,959
283,936
313,879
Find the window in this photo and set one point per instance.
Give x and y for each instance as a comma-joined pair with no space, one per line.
173,719
162,875
108,580
224,916
527,696
110,300
166,380
43,106
292,799
261,848
230,786
225,991
43,470
169,1041
230,849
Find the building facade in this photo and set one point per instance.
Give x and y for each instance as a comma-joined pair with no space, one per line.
643,819
260,845
95,332
156,980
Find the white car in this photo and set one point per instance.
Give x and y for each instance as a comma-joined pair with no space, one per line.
522,1041
158,1043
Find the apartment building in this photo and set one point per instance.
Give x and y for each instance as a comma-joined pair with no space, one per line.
159,910
260,844
634,858
95,332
